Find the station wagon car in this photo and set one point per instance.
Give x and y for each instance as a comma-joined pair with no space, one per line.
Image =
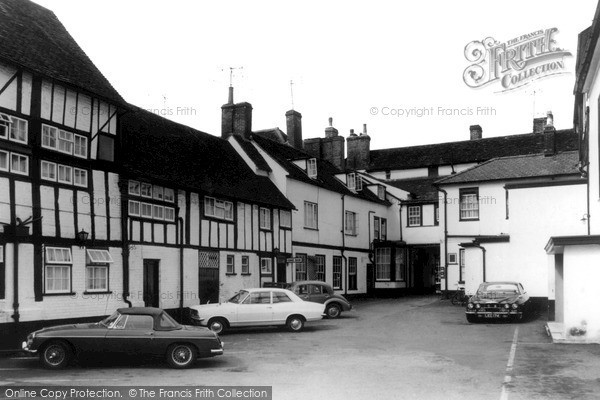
321,292
258,307
137,331
499,300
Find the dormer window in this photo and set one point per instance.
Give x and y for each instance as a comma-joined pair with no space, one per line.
354,182
381,192
311,167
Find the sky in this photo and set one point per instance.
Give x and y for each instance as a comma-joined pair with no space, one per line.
396,66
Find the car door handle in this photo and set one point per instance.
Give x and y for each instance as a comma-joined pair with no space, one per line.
149,333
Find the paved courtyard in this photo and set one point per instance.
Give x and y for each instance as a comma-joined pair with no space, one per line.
408,348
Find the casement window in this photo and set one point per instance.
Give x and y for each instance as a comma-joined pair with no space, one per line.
80,177
19,164
169,214
134,188
469,204
5,123
218,208
311,167
383,229
96,270
451,258
382,264
245,265
80,148
146,210
285,219
48,170
320,268
4,155
337,272
57,270
301,268
400,264
146,190
354,182
461,260
311,215
379,228
158,212
381,192
169,195
65,174
352,273
49,137
266,267
230,264
265,218
158,192
134,208
65,142
106,148
18,130
350,223
414,216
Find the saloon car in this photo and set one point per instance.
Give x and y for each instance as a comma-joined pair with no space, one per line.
321,292
136,331
499,300
258,307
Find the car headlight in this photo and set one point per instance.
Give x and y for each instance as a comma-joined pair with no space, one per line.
515,306
477,305
470,305
507,305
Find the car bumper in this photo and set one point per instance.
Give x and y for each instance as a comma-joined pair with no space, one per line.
26,348
496,314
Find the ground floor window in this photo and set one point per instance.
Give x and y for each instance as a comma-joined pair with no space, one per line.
57,270
337,272
96,278
391,264
382,260
400,267
320,268
266,266
245,265
301,270
352,273
230,264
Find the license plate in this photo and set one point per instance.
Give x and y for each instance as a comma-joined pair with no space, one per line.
491,315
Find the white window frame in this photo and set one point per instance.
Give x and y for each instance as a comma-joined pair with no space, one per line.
245,265
158,192
14,123
311,215
145,215
169,214
266,266
285,218
99,256
51,133
264,218
230,264
64,167
5,124
381,191
131,188
383,264
83,177
158,212
51,253
350,219
65,140
104,282
52,262
147,186
452,258
469,208
131,209
45,176
169,195
211,203
19,172
68,268
311,168
414,216
83,140
6,166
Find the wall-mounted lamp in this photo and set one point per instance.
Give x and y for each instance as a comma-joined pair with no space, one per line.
81,238
585,218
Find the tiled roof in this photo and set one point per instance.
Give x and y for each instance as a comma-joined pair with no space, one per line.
274,134
326,171
421,189
175,154
254,155
32,37
468,151
526,166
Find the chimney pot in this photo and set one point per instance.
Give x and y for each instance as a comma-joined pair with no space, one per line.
330,121
539,124
549,119
365,129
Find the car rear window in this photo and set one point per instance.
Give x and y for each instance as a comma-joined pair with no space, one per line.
137,322
279,297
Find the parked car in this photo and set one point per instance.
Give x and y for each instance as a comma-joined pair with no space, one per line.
258,307
321,292
503,300
137,331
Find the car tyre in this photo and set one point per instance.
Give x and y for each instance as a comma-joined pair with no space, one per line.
295,323
56,355
471,318
181,355
218,325
333,310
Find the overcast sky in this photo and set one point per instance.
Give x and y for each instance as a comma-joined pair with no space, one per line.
347,60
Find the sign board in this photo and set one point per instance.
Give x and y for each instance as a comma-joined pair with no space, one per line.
295,260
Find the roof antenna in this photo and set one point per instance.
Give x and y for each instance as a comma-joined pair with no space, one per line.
292,92
230,99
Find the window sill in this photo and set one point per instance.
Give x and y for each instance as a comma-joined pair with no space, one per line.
311,229
72,294
230,274
351,234
415,226
461,282
98,292
246,274
468,219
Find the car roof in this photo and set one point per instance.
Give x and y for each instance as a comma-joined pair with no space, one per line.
263,289
501,283
140,311
310,283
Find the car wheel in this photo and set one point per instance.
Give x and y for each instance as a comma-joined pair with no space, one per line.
217,325
333,310
55,355
181,355
295,323
471,318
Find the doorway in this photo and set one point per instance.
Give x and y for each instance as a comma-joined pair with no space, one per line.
151,283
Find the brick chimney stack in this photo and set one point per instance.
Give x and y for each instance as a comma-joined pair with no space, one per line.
539,124
476,132
549,135
359,148
330,148
293,121
236,119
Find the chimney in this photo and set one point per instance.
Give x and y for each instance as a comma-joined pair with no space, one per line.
549,135
236,119
539,124
476,132
330,131
330,148
359,147
293,121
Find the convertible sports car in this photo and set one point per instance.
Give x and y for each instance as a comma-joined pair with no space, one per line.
505,300
137,330
258,307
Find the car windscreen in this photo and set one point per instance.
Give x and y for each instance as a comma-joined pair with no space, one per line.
495,290
238,297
